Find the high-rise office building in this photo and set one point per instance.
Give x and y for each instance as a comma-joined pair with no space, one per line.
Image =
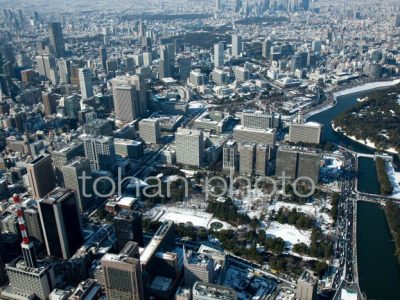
128,227
3,272
27,282
56,39
167,59
308,165
316,46
100,150
72,105
47,66
307,286
219,76
141,93
71,173
126,103
298,163
259,119
103,58
85,82
63,154
150,131
33,226
189,147
247,158
241,73
197,267
61,223
254,135
219,55
286,163
218,5
147,59
208,291
262,157
230,157
396,21
266,49
309,132
236,45
238,5
122,277
49,103
197,78
64,68
41,176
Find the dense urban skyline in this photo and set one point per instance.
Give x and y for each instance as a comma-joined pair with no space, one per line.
219,149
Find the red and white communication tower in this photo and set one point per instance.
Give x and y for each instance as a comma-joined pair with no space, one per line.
27,246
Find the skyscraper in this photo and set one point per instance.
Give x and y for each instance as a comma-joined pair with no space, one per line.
141,93
238,5
62,155
32,220
150,131
262,157
72,105
218,5
307,286
189,147
61,223
197,267
56,39
167,58
41,176
49,103
64,70
230,156
122,277
126,103
85,82
219,55
236,45
103,58
71,173
247,158
128,227
266,49
309,132
100,150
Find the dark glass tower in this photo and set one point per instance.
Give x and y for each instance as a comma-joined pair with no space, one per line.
57,39
128,227
61,222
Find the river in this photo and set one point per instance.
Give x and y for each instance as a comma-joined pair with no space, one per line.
379,271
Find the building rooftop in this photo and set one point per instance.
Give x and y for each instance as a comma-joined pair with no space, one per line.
214,291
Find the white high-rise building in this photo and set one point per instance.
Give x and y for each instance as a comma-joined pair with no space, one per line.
218,55
189,147
125,103
85,82
147,59
149,130
236,45
100,150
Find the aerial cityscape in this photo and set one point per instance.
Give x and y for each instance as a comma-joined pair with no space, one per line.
214,149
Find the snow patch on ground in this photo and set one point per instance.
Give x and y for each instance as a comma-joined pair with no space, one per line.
289,233
394,178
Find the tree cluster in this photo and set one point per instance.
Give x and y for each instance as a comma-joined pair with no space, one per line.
384,183
293,217
392,211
